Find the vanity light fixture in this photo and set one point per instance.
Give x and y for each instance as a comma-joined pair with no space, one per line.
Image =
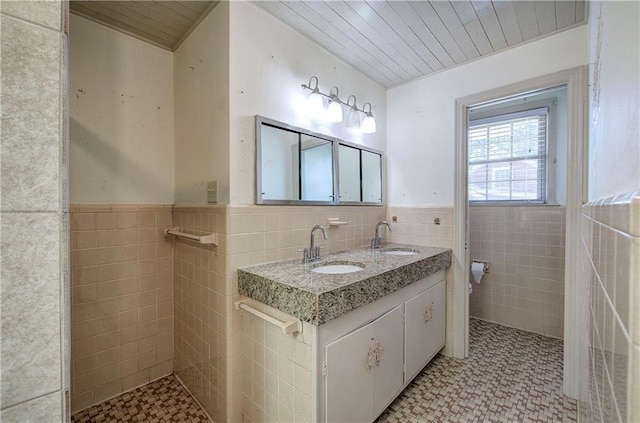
315,102
369,122
334,108
353,117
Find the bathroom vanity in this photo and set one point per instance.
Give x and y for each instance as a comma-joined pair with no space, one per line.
375,318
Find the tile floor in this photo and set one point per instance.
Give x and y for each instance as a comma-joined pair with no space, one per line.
164,400
510,376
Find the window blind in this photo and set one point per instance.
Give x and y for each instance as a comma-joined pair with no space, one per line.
508,156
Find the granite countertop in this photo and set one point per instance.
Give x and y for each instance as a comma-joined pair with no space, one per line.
293,288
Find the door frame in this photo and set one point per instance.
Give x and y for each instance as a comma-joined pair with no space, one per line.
575,295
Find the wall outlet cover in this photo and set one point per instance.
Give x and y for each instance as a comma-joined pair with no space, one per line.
212,192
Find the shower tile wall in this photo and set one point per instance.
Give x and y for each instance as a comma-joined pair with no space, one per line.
610,259
122,299
208,330
34,212
525,249
203,307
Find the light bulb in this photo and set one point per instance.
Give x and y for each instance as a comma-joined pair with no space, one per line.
315,105
334,112
353,119
369,124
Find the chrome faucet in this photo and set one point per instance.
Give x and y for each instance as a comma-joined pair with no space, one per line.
376,242
313,252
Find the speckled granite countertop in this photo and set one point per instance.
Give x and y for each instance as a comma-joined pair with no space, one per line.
293,288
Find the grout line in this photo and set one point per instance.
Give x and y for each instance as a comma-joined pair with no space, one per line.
193,396
36,24
31,399
611,228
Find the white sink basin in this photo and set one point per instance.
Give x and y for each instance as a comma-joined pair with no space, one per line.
337,269
400,252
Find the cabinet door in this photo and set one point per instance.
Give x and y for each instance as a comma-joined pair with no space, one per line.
388,359
424,327
349,379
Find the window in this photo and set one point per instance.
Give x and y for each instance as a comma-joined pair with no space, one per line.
508,157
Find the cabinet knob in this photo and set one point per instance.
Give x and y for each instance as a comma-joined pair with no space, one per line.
428,312
379,351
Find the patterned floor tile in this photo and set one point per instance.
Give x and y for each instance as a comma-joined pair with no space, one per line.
510,376
164,400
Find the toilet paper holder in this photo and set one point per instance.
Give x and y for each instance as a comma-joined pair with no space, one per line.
485,264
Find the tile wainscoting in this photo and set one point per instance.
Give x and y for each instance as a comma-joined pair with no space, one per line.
524,246
209,332
610,269
122,299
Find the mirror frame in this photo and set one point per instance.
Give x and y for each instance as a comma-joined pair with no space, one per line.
337,175
336,142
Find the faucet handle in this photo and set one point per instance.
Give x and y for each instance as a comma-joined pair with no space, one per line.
305,255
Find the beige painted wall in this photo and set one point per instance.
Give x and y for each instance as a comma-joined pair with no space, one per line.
121,118
614,99
201,92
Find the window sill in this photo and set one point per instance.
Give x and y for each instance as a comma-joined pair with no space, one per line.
511,204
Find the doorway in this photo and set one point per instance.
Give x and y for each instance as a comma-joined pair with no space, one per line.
574,297
517,193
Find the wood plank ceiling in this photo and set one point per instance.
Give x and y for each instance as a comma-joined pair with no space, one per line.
162,23
391,41
398,41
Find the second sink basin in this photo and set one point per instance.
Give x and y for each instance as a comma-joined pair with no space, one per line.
337,269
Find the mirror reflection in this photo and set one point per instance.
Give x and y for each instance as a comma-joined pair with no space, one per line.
296,166
316,157
371,177
280,171
349,171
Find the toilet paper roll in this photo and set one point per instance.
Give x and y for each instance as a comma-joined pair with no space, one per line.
477,270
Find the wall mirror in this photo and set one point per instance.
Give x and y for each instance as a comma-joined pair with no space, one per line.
298,166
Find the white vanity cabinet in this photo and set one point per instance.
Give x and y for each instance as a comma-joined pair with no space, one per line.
365,370
367,357
424,328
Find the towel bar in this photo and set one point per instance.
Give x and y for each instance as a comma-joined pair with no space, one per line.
290,327
202,239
